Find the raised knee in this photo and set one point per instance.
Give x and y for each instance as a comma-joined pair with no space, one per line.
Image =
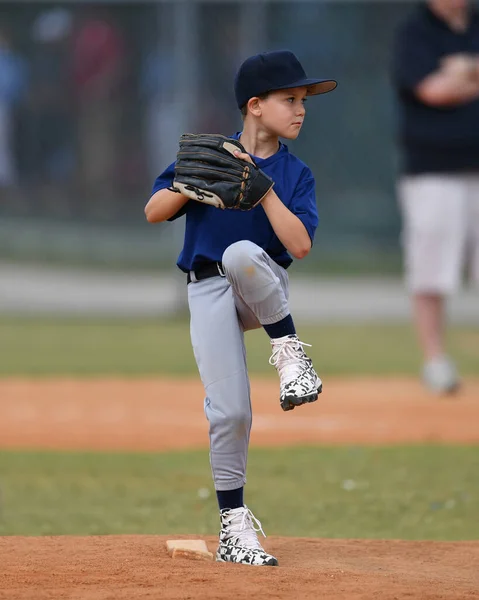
240,255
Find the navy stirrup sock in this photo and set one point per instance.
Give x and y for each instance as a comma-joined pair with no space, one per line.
281,328
230,498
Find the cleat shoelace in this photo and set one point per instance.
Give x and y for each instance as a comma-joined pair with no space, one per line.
289,358
242,527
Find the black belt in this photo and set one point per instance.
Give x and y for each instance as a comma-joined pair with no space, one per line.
213,269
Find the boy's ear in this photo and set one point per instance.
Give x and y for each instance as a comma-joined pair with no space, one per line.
254,106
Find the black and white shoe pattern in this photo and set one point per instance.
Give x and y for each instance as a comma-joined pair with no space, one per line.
239,541
298,381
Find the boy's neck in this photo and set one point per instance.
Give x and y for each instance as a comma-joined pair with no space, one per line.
258,142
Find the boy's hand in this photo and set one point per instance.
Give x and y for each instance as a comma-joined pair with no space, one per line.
243,156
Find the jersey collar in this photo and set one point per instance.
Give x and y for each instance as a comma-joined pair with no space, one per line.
283,149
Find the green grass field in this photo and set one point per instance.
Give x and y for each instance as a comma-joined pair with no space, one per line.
405,492
148,347
420,492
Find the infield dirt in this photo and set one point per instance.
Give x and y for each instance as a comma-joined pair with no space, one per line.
147,414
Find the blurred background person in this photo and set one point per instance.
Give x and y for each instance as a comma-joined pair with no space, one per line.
436,75
50,148
161,117
13,84
99,65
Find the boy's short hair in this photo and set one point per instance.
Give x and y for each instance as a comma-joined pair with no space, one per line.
271,71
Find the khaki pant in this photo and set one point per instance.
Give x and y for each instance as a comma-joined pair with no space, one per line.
440,230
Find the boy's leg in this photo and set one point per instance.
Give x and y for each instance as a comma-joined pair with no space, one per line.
218,344
261,292
261,286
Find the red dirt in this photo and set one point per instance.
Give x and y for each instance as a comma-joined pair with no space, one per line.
138,567
167,414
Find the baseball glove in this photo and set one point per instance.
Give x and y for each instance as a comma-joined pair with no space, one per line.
206,170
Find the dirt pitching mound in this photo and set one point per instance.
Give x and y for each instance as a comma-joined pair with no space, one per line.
134,567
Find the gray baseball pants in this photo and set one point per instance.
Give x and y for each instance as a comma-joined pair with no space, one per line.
254,292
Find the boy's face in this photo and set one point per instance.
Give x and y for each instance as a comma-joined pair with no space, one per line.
283,112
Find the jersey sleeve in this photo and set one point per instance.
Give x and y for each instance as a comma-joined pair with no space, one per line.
414,58
303,203
165,180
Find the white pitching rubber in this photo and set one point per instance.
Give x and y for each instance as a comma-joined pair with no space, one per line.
192,549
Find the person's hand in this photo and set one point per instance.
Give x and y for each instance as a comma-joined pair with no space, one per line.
461,65
243,156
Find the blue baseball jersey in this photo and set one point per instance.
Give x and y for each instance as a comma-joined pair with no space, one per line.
210,230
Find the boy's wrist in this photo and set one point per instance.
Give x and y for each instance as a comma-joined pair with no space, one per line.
268,197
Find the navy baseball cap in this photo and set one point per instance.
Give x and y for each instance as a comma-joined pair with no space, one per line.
270,71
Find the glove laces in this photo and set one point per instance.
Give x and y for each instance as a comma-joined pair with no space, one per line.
200,194
242,526
288,357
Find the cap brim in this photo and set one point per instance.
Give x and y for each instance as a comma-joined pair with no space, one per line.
315,86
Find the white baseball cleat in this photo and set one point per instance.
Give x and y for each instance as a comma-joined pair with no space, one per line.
298,381
238,540
440,376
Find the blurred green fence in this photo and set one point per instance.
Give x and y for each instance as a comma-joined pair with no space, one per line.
104,90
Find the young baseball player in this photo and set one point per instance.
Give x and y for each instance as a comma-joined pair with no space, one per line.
236,265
